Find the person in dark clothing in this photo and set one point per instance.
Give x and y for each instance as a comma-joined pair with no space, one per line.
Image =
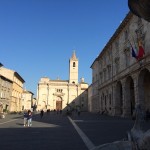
42,113
25,117
29,118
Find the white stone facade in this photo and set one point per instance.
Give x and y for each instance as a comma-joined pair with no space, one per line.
120,80
27,99
58,94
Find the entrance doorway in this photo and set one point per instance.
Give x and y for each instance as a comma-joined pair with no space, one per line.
130,96
119,101
59,103
144,89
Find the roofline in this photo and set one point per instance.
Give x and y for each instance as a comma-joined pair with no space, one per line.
6,78
94,62
28,92
118,31
59,80
17,74
1,65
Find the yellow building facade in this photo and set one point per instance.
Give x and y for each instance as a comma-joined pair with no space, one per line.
15,103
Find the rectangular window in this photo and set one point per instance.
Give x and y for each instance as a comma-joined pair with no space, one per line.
117,65
104,74
127,58
109,72
126,35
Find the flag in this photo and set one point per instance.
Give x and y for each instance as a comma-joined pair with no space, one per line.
141,51
133,53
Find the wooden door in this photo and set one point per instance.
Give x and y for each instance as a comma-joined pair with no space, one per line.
58,105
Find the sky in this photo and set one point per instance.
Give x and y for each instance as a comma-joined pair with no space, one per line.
38,37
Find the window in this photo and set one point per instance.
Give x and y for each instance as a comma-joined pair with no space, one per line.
117,65
104,59
93,79
96,77
109,71
117,45
127,57
109,99
59,90
100,64
100,74
102,77
74,64
126,35
104,74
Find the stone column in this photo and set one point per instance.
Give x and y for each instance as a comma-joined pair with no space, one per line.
124,107
135,79
114,109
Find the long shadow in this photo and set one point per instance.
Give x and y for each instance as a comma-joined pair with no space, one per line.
55,132
62,136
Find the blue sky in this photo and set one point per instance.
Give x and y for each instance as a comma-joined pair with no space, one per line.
37,37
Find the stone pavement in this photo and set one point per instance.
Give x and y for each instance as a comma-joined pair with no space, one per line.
103,129
56,132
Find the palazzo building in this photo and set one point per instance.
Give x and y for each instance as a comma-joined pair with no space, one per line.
5,93
121,78
60,94
11,89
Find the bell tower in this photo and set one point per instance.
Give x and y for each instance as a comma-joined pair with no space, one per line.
73,69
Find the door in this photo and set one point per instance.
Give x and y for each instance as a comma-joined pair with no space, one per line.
58,105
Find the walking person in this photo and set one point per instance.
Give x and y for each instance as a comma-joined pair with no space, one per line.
29,118
79,111
41,113
25,115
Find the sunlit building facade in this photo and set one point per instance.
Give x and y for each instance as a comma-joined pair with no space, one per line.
59,94
15,103
5,93
27,100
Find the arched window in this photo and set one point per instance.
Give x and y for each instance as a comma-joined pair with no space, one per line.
74,64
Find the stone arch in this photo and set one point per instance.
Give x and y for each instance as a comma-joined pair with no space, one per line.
119,100
130,96
144,89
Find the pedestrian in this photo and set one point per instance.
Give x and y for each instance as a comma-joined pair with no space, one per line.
60,111
41,113
79,111
29,118
25,117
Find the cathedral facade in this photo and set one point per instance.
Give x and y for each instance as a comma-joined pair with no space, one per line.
60,94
